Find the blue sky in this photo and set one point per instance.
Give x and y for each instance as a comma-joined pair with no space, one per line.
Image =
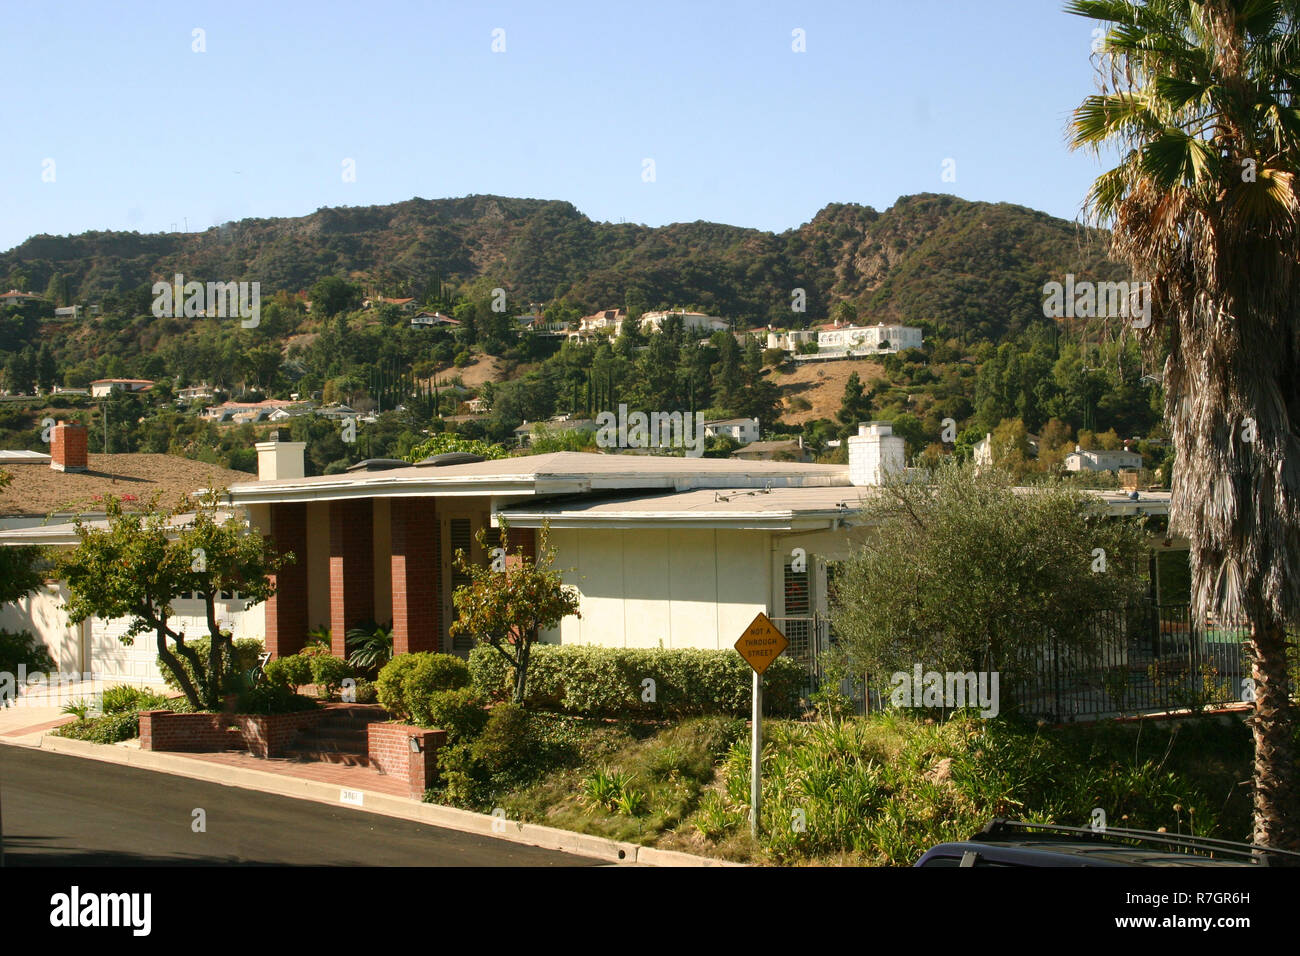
146,134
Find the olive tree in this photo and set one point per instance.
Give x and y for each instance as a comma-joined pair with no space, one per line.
964,572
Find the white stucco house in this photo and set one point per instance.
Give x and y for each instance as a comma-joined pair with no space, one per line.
1083,460
743,430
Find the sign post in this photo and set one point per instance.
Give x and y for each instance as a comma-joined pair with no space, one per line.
760,645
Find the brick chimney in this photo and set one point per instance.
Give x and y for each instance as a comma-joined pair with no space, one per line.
68,445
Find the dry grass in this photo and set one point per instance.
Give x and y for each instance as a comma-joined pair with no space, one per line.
822,385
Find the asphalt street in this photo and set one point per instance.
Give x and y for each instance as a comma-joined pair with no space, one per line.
58,810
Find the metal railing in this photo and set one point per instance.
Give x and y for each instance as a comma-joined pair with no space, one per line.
1147,658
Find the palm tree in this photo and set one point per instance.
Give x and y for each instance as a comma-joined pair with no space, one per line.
1200,101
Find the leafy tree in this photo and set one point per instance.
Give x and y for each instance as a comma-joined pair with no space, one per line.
143,561
1199,99
446,442
507,608
332,295
965,573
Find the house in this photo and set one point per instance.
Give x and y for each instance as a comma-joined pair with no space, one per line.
14,297
38,508
243,411
663,551
194,393
102,387
67,312
667,551
742,430
60,390
403,305
526,432
1081,460
605,322
788,450
693,321
432,319
790,341
868,339
477,406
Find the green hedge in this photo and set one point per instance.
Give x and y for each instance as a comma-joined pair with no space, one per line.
609,681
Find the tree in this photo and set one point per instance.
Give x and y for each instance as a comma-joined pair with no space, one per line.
854,408
143,561
966,573
332,295
1199,100
507,603
446,442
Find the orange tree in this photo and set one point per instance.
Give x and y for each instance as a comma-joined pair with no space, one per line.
509,600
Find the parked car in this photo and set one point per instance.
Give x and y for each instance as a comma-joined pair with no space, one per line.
1015,843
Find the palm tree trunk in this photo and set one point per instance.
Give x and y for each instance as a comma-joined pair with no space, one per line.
1276,821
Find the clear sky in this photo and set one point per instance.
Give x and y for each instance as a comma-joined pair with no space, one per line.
139,131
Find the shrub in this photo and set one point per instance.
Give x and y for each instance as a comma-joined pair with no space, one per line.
124,699
245,659
410,678
459,712
609,681
292,671
269,698
328,673
109,729
505,753
21,647
390,684
370,646
363,692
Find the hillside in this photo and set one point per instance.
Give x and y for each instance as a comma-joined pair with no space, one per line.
967,269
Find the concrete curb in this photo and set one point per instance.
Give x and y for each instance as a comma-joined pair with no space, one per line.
451,818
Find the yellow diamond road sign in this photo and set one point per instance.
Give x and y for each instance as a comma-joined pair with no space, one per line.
761,643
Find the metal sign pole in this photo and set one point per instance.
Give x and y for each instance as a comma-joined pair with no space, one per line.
756,759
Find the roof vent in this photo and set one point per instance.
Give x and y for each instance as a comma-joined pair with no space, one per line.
379,464
450,458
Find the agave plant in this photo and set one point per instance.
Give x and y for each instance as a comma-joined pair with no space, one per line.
370,646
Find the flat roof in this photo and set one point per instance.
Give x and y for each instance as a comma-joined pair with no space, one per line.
555,473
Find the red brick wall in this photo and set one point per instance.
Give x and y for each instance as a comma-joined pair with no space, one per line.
525,538
352,568
68,447
286,611
415,543
388,746
260,735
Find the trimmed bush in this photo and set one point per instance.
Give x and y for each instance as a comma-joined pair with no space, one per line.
291,671
328,673
460,712
409,678
609,681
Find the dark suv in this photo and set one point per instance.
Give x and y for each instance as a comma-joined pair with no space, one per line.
1014,843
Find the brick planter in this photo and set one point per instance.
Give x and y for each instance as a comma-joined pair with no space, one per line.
388,746
262,735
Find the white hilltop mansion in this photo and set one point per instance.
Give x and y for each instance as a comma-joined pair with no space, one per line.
840,340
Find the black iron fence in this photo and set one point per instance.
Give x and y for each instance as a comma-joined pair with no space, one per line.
1145,659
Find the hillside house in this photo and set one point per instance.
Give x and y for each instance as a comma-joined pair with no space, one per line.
102,387
1082,460
742,430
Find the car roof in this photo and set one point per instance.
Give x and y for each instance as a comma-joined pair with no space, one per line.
1064,853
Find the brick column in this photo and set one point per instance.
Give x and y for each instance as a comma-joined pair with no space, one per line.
352,568
286,611
415,584
517,538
